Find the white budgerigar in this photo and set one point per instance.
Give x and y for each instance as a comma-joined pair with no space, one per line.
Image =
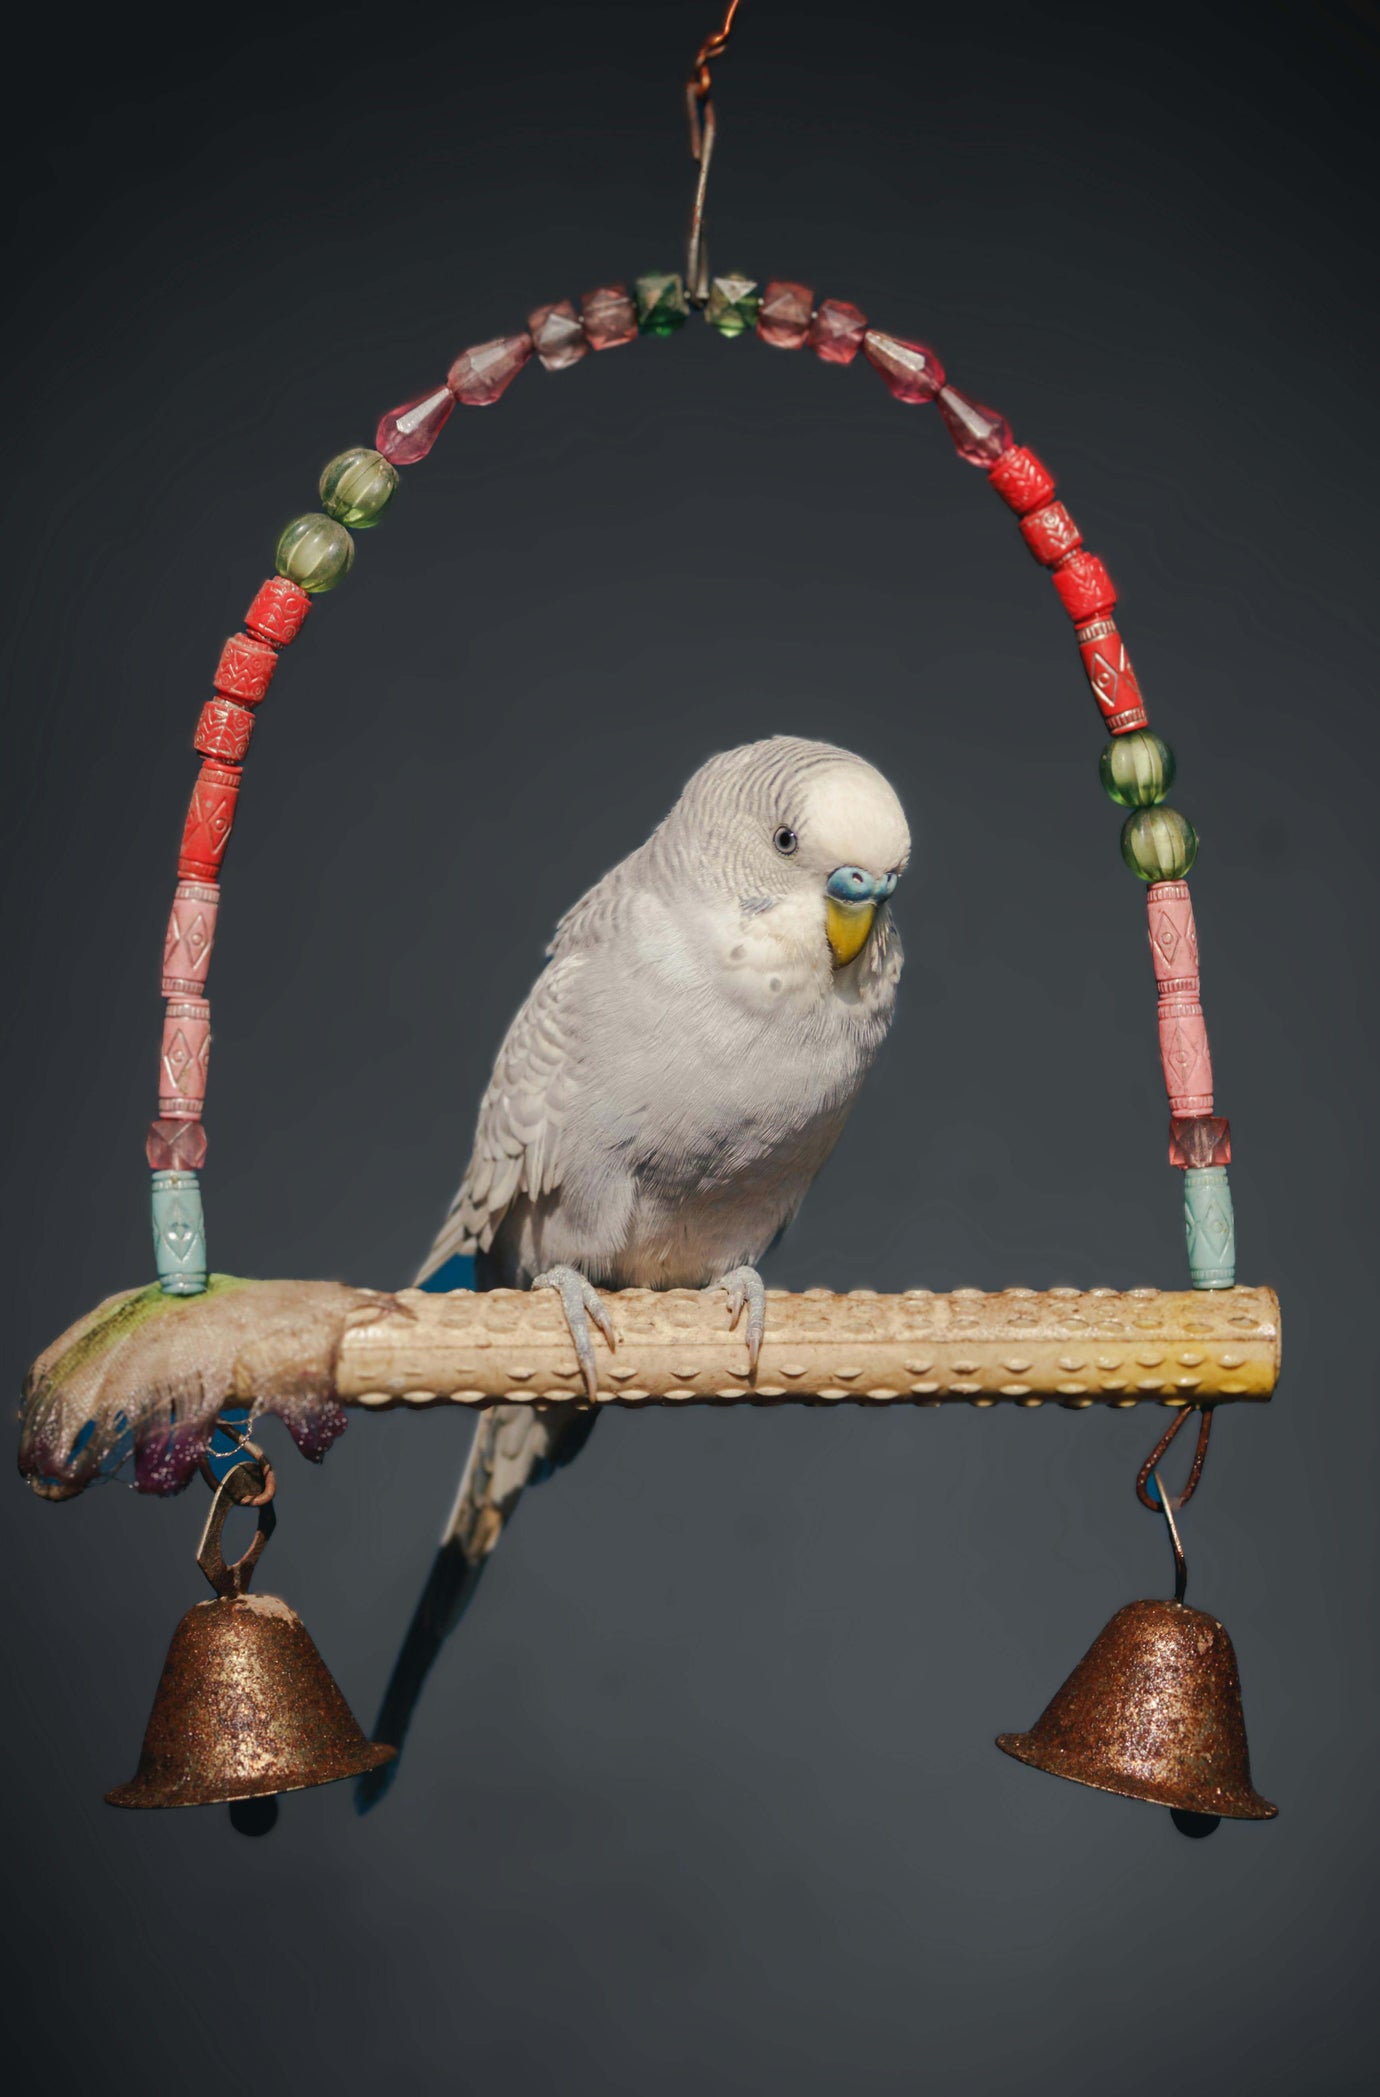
679,1073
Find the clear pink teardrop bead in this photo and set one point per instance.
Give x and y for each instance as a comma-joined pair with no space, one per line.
407,434
980,435
911,369
481,375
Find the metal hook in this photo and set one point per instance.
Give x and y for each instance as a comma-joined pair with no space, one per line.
1150,1468
700,111
1180,1562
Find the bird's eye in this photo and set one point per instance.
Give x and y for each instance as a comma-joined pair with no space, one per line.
785,841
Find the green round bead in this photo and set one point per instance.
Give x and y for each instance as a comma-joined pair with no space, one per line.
1158,844
1137,770
357,487
314,552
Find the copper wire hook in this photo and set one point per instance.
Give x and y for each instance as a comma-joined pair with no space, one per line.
1150,1467
700,111
1166,1508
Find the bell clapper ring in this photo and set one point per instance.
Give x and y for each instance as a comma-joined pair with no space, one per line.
253,1485
700,111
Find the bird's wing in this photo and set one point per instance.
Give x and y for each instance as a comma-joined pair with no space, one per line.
523,1116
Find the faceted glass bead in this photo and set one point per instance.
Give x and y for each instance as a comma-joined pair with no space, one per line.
608,315
315,552
1158,843
783,318
1198,1141
1137,770
980,435
557,336
837,330
407,434
911,369
357,487
662,306
176,1146
482,375
733,303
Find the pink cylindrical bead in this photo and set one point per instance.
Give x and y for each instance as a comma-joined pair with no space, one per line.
223,730
1050,533
245,670
837,330
557,336
609,316
278,611
1173,936
190,936
1022,480
1184,1057
210,819
783,318
483,374
1084,586
186,1050
1108,670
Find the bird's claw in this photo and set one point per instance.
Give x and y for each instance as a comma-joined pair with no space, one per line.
746,1292
580,1301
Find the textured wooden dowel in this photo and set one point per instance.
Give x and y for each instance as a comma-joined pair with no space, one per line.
1077,1347
144,1375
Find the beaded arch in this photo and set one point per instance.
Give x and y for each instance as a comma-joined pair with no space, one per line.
316,551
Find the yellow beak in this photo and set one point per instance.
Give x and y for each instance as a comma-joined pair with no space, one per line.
847,926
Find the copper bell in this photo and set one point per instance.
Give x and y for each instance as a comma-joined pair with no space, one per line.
1152,1711
246,1706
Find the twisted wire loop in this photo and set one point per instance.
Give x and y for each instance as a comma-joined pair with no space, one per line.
1161,1504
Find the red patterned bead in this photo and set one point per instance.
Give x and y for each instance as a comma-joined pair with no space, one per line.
210,819
190,936
407,433
783,318
223,730
911,369
836,332
1173,936
1184,1057
981,435
245,670
176,1146
1022,480
483,374
1109,672
557,336
186,1052
1199,1140
609,316
1051,533
278,611
1084,586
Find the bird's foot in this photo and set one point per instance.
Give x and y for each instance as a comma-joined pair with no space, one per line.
580,1301
746,1292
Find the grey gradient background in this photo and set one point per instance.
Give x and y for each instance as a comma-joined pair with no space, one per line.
703,1797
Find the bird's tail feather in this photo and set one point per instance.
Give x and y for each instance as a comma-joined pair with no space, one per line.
514,1446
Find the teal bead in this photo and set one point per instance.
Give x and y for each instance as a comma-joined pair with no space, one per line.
1158,844
314,552
662,306
179,1233
357,487
1210,1227
1137,770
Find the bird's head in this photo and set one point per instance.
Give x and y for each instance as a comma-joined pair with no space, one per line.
800,823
